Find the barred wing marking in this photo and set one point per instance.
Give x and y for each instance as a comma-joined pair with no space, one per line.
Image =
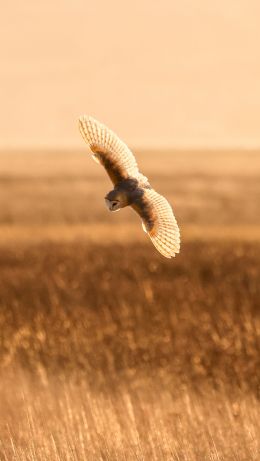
109,151
159,222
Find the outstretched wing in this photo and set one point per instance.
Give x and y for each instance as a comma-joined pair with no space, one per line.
109,150
159,222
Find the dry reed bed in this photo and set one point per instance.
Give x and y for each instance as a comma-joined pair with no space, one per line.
112,352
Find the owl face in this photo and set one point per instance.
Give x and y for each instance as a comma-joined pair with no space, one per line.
112,205
115,200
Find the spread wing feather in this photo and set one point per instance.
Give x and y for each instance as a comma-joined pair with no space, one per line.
109,151
159,222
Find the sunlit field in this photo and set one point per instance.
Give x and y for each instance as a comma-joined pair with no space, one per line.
109,351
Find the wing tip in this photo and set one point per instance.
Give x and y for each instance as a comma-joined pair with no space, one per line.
85,118
86,124
166,250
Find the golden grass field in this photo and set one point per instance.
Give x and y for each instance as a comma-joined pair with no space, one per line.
109,351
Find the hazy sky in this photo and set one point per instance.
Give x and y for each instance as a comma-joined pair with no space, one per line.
160,73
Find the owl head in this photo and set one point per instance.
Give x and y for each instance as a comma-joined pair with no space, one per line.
116,199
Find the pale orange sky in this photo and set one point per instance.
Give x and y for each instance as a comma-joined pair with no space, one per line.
160,73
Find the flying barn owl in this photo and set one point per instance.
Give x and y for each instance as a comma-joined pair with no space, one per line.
131,188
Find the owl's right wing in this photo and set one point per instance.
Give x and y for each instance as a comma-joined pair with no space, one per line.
159,222
109,151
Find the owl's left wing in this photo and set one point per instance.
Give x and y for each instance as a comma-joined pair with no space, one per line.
108,149
159,222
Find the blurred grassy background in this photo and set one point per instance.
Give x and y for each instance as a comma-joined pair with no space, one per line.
110,351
